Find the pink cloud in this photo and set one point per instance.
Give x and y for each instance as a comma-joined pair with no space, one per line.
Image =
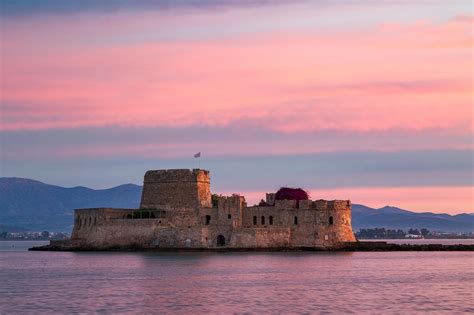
406,77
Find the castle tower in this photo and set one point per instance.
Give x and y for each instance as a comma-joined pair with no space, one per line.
176,188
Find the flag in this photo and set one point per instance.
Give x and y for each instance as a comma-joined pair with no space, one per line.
197,155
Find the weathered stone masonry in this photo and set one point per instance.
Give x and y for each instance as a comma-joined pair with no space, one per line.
176,212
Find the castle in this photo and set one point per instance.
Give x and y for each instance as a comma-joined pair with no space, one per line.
178,212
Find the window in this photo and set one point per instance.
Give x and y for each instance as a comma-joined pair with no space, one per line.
208,219
270,220
296,221
331,220
254,220
263,220
229,216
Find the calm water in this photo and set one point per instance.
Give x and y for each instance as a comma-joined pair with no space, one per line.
465,241
384,282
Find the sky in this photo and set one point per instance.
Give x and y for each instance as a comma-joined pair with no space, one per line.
364,100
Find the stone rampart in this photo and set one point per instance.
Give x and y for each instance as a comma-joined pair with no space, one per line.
176,188
176,212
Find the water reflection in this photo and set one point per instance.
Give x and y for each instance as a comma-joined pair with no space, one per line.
236,282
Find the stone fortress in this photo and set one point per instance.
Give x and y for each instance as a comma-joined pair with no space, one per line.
178,212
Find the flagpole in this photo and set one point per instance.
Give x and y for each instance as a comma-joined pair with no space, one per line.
198,156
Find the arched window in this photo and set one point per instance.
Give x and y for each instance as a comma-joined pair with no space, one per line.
331,220
296,221
254,220
229,216
270,220
263,220
208,219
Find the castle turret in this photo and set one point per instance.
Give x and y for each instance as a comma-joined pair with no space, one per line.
177,188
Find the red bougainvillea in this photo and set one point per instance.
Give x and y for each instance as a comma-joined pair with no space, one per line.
291,194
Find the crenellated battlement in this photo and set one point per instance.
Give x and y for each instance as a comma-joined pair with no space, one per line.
177,175
311,204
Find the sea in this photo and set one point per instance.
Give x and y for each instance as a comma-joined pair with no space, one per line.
235,283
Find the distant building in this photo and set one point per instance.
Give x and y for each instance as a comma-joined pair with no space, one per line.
177,212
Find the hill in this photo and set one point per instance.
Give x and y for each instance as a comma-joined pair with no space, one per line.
27,204
33,205
396,218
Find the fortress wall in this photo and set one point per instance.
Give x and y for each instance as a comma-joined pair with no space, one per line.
272,237
176,188
180,200
313,225
183,217
260,237
285,204
213,214
144,233
259,211
321,204
305,204
230,210
85,220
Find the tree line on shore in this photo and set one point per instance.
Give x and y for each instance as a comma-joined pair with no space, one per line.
389,233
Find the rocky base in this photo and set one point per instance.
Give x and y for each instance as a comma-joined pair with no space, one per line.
344,247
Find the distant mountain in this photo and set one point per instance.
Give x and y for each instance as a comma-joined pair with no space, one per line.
396,218
33,205
27,204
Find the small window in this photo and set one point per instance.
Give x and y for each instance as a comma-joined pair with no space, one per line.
331,221
95,220
296,221
152,215
254,220
229,216
208,219
263,220
270,220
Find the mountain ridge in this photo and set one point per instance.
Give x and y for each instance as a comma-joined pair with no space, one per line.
33,205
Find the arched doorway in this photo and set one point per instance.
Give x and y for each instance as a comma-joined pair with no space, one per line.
220,240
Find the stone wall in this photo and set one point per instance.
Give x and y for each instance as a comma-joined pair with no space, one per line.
176,212
176,188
